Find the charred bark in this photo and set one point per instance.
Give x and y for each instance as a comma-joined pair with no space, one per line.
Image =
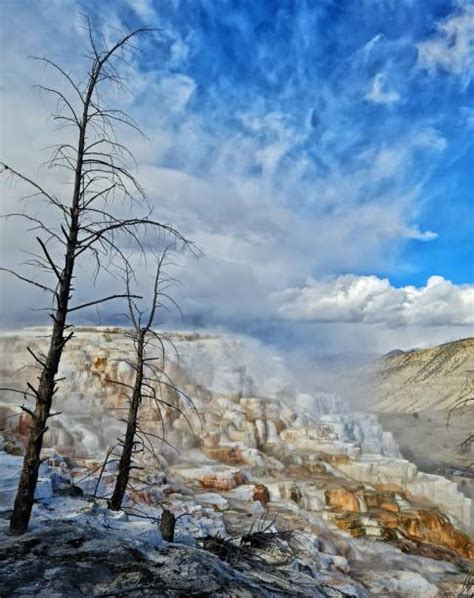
167,525
125,462
150,377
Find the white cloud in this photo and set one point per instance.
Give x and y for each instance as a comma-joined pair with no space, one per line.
173,92
451,49
413,232
369,46
179,52
277,135
378,92
429,138
372,300
143,8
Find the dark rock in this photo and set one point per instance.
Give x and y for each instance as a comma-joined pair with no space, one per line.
13,447
68,489
66,558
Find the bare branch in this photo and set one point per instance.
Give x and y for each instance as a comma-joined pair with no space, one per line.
36,358
28,280
155,288
61,71
63,98
49,258
37,221
109,298
21,392
23,177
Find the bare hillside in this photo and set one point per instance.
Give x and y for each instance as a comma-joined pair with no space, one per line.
414,394
425,379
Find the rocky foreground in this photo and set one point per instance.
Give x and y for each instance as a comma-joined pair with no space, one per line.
276,492
227,543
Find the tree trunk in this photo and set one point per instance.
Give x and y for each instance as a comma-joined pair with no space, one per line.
47,382
44,398
126,457
167,525
90,166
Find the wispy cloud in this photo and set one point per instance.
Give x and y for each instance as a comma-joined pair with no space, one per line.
378,92
451,48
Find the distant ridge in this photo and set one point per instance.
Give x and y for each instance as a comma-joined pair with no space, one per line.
424,379
394,353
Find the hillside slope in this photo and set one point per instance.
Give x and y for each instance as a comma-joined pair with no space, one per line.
425,379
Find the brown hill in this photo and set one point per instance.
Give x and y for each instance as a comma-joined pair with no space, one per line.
426,379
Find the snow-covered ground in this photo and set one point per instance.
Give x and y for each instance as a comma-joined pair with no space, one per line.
76,546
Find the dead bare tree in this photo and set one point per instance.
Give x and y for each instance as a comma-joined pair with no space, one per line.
150,377
101,176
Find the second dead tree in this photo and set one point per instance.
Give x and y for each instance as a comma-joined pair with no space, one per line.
150,380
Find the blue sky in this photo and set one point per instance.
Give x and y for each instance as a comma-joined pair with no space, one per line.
315,63
308,147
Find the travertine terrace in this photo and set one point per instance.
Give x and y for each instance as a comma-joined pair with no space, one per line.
249,440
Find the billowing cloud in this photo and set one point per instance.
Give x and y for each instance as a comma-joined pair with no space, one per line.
373,300
451,49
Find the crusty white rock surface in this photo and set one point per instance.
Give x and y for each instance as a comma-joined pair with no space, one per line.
249,442
77,547
243,395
